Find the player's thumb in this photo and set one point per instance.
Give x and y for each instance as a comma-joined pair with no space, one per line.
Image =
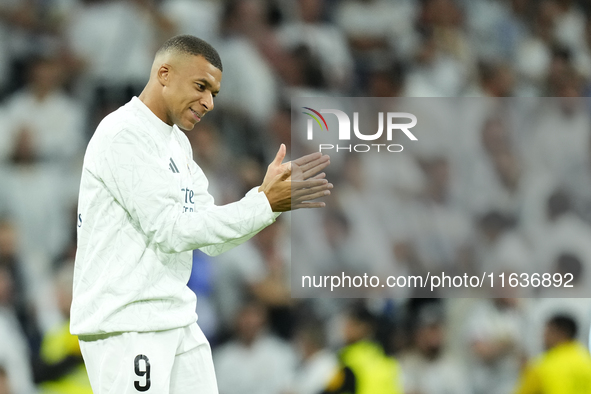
285,174
280,155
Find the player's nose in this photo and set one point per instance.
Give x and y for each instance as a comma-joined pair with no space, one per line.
207,101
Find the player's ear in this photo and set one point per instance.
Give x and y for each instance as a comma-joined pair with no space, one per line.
163,74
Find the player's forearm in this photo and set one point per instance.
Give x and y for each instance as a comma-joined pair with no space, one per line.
214,229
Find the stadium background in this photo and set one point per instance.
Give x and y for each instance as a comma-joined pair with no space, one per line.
64,64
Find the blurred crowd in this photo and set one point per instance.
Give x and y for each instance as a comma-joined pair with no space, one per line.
493,199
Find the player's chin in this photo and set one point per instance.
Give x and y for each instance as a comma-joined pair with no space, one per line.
187,125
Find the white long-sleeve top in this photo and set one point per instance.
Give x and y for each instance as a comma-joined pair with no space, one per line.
143,207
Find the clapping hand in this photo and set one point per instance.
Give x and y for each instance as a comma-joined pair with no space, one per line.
295,184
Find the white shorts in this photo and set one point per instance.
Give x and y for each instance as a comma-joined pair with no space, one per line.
164,362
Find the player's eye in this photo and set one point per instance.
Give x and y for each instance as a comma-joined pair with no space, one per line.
200,86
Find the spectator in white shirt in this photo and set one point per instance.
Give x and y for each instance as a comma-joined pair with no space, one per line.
495,334
107,35
14,352
318,364
200,18
325,41
427,368
45,116
254,362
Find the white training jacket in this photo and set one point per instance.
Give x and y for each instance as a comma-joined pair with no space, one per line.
143,207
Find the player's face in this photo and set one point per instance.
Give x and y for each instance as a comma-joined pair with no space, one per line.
193,84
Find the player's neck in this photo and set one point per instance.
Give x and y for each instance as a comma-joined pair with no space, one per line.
155,105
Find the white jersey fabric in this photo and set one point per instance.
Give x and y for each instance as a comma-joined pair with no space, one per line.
143,207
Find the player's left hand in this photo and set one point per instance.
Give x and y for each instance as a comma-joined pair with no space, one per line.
303,168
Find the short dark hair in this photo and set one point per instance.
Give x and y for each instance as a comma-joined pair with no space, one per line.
565,324
192,45
558,204
570,263
360,313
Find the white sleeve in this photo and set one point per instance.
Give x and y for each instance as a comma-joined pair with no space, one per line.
140,182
